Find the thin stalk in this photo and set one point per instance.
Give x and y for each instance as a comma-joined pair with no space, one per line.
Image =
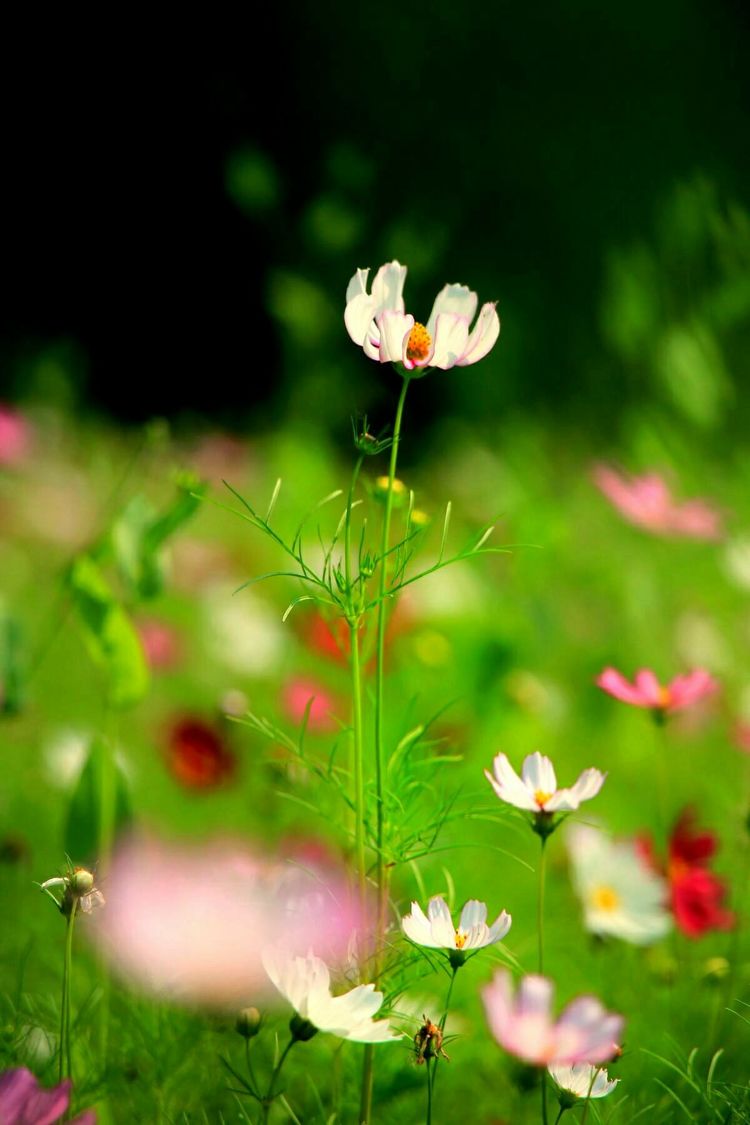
270,1096
359,777
107,799
562,1111
65,1068
540,903
365,1108
443,1020
540,935
428,1119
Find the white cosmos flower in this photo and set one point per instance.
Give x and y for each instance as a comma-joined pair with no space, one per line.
536,789
306,983
378,323
435,928
583,1080
621,895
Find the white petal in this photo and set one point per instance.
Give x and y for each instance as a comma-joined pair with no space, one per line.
443,932
499,928
418,928
508,785
449,340
538,774
457,299
358,316
474,913
484,336
388,287
357,285
394,332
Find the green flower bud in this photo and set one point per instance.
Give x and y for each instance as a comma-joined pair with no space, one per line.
248,1023
81,882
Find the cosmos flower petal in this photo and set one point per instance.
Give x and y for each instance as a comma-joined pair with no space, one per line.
483,337
499,927
449,340
442,923
615,684
508,785
587,786
538,774
418,927
456,299
394,332
473,914
583,1080
649,688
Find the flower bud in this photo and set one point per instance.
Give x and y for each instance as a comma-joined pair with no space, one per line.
81,882
248,1023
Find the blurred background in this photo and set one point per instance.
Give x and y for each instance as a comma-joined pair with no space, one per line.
184,207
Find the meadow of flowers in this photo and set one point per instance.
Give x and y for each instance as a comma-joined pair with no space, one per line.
374,788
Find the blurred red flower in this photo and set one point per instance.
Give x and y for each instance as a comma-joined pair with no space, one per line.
696,894
197,755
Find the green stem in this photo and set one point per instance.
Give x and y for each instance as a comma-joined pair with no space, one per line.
271,1095
359,782
540,903
544,1096
444,1019
65,1068
428,1120
562,1111
365,1108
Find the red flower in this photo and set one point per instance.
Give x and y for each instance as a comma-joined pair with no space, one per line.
197,755
697,894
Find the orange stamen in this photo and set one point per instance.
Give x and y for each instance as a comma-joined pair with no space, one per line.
419,343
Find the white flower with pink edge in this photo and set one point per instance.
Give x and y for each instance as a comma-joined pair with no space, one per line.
378,322
536,789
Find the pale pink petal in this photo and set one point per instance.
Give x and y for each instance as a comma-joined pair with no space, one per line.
538,775
508,785
697,519
586,1032
497,997
457,299
449,340
483,337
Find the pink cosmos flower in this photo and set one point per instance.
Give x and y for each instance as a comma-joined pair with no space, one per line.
23,1102
523,1024
646,502
646,691
160,643
190,923
378,323
301,692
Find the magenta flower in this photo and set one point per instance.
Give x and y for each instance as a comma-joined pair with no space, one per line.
15,436
302,696
23,1102
378,323
646,691
523,1024
647,502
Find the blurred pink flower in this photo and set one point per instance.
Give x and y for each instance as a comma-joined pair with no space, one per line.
523,1024
190,922
647,502
646,691
298,693
15,436
23,1102
160,643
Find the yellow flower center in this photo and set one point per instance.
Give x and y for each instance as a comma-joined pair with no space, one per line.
541,797
664,698
460,939
419,343
605,898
